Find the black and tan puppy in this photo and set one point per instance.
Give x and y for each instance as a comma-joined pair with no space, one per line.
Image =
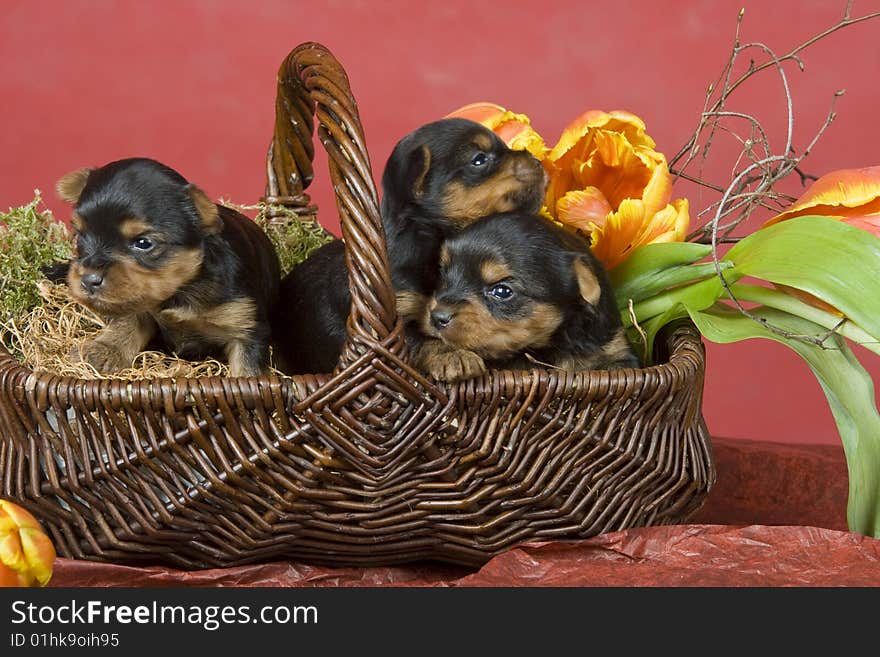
438,179
162,263
516,291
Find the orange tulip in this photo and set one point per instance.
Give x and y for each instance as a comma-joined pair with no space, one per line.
26,553
607,181
605,178
843,194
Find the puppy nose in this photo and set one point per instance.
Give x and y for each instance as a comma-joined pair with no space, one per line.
92,282
440,318
529,169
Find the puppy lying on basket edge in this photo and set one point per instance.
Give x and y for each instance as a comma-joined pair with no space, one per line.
438,179
518,292
165,265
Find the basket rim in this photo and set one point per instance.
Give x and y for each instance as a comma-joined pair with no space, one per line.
685,360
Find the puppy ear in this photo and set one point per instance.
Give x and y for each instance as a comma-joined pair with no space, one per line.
70,185
419,165
206,208
588,283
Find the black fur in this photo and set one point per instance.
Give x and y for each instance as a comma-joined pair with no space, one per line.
309,328
238,261
540,258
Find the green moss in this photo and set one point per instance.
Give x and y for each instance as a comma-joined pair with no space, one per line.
30,238
294,237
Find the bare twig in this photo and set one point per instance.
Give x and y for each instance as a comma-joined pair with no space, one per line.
792,55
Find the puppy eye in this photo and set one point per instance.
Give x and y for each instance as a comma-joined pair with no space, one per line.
479,159
142,244
501,291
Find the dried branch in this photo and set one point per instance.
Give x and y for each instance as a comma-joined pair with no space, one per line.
758,167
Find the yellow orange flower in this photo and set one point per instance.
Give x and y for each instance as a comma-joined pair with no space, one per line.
606,180
26,553
633,226
845,193
611,152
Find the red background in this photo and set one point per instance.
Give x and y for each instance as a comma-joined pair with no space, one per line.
192,83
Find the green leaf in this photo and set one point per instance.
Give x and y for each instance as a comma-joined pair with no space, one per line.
695,296
834,261
847,387
657,257
784,301
654,282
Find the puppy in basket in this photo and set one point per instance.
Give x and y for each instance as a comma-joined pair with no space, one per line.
516,291
164,264
439,179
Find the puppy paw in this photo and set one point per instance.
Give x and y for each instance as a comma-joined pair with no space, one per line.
102,356
454,365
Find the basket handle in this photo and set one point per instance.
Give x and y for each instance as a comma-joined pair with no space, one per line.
312,83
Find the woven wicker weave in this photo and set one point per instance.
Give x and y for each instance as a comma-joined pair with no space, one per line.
372,464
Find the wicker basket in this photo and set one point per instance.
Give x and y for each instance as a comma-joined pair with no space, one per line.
372,464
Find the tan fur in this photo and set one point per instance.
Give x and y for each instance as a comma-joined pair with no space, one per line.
129,287
206,208
131,228
410,305
474,328
70,185
445,258
238,365
229,321
588,284
116,345
76,221
447,363
493,271
464,204
483,142
419,184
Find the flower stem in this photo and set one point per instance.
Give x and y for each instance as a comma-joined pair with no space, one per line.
781,301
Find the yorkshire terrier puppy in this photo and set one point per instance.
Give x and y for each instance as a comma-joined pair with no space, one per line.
164,264
518,292
438,179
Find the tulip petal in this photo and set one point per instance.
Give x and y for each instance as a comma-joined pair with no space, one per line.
481,112
26,553
617,168
668,225
658,191
808,298
18,515
632,227
630,125
39,553
613,241
869,223
10,577
842,193
581,208
11,553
